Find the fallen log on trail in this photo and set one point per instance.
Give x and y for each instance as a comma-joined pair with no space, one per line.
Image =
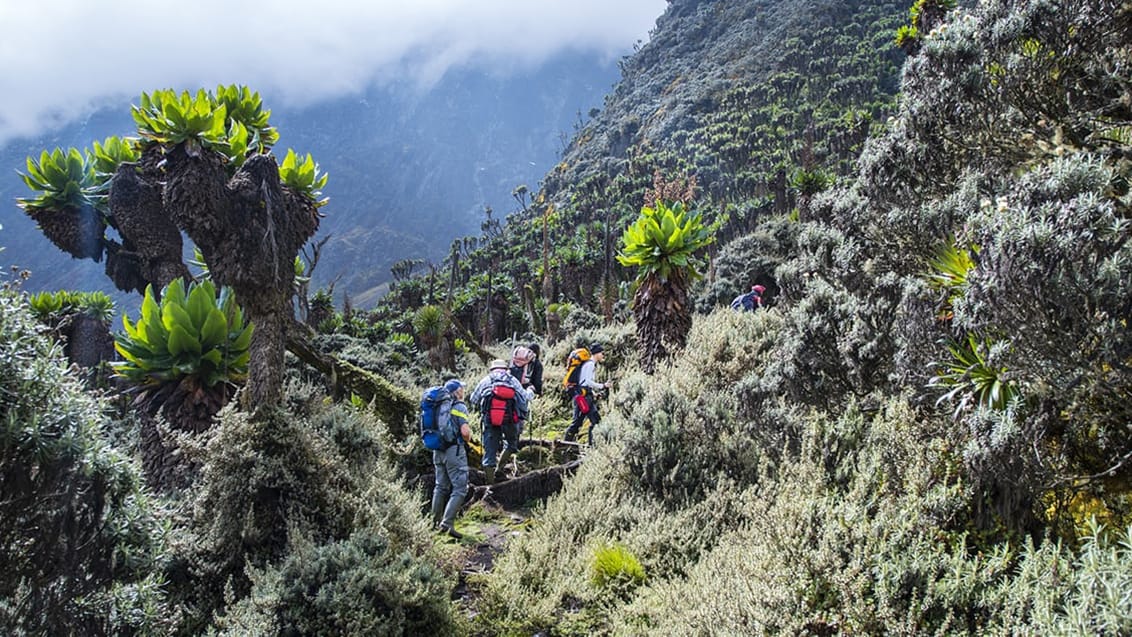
395,406
534,485
556,443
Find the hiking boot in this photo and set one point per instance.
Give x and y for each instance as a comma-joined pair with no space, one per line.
452,533
570,437
503,462
489,475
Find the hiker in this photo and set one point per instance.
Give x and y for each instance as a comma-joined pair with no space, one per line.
451,465
750,301
527,368
582,387
503,405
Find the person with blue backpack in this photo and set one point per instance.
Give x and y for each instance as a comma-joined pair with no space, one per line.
445,430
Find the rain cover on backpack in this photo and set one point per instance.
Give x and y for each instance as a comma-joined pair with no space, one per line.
436,426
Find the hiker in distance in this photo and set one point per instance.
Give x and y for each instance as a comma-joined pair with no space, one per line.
526,366
750,301
451,464
503,405
582,388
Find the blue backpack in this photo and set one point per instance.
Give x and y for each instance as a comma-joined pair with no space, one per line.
436,420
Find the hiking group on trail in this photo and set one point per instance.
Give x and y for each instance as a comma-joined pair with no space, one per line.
503,398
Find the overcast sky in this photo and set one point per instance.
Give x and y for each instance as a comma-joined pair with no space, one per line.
61,59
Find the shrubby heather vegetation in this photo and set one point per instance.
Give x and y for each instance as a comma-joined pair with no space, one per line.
925,432
922,436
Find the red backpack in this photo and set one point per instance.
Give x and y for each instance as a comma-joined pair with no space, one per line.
499,405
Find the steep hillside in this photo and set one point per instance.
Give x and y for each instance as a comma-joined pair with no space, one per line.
721,83
928,434
759,102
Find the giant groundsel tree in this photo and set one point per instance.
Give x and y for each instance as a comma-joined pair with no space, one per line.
662,244
202,166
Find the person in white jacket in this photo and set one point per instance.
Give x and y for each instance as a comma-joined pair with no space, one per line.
585,407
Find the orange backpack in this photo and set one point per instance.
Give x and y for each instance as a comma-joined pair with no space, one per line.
574,366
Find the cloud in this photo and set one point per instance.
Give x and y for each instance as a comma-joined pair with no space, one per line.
65,58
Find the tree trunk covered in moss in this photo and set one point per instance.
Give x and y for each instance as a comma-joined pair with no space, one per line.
393,405
249,229
534,485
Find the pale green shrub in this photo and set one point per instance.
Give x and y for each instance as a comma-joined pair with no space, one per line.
1059,591
362,585
307,495
848,536
81,540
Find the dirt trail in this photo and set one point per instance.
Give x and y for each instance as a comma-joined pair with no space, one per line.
495,515
486,536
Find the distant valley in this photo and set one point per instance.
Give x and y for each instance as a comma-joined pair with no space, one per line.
409,170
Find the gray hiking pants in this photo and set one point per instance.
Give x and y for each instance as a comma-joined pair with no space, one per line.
451,484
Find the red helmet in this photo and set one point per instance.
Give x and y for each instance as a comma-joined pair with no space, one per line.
758,288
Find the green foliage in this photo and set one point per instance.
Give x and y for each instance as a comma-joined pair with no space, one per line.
165,117
231,121
63,180
561,309
301,499
664,239
924,15
430,321
853,520
366,585
400,338
972,380
395,359
81,542
112,152
907,37
190,333
920,7
951,265
52,306
614,565
247,115
303,177
810,182
238,146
